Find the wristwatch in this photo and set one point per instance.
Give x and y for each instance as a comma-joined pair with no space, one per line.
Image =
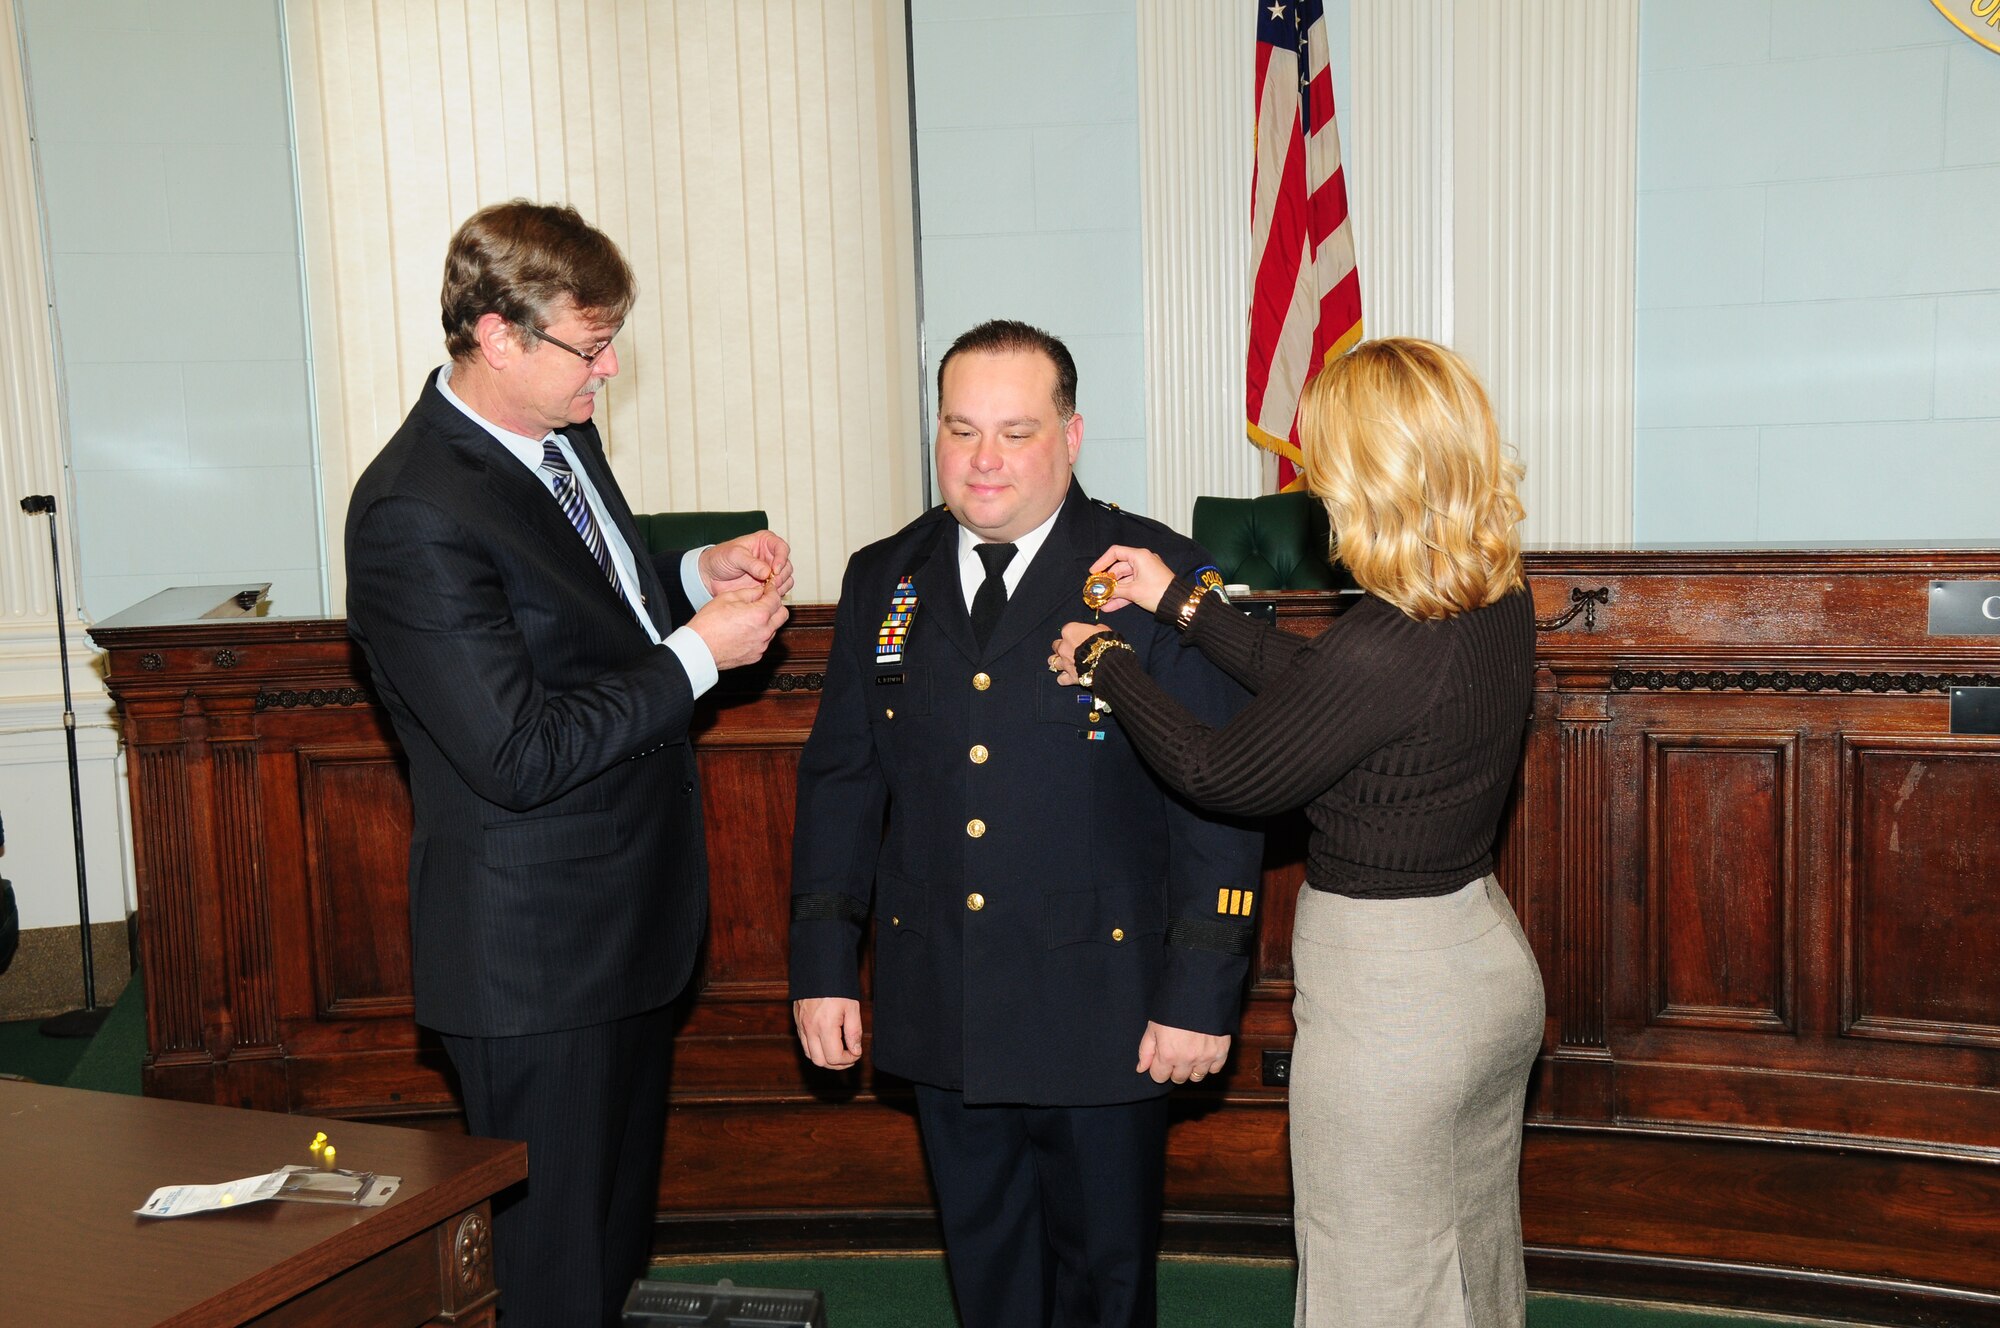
1207,581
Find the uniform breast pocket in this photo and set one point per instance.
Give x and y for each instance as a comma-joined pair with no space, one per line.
1073,708
1116,916
897,694
902,906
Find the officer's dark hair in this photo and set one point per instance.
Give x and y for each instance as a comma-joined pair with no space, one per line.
520,260
1001,335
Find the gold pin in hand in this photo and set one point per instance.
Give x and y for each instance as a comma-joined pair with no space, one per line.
1098,588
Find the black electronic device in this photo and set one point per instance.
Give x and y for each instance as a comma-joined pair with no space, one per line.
721,1305
10,914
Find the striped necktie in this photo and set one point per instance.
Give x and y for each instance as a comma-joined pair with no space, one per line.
570,497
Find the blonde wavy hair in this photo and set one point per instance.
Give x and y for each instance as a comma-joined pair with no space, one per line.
1401,446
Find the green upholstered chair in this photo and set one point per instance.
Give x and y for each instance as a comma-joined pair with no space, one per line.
1276,542
666,531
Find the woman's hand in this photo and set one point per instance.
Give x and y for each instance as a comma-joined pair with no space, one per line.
1142,577
1062,651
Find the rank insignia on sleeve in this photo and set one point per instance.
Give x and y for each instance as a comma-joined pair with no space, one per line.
896,627
1234,903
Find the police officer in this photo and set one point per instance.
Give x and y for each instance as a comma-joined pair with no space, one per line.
1059,940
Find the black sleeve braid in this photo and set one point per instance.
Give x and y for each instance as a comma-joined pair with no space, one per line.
1199,934
828,905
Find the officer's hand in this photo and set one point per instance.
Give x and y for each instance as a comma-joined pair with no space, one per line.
1142,576
1062,651
1181,1054
747,562
829,1030
737,625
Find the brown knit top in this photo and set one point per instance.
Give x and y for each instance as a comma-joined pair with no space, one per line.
1400,738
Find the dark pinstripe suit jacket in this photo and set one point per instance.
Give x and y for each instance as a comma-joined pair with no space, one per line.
557,875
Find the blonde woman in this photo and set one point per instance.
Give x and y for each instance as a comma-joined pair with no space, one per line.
1398,729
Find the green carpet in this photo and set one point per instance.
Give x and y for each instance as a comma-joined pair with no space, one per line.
108,1062
911,1292
46,1060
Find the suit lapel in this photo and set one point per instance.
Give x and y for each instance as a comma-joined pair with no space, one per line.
510,485
940,592
1056,575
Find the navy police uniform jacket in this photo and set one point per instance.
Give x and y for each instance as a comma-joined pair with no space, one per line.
1038,895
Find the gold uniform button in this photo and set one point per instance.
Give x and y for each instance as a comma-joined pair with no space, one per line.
979,753
1095,717
975,901
1117,933
895,922
975,827
888,714
981,681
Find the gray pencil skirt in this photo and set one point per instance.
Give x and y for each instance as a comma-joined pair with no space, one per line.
1418,1022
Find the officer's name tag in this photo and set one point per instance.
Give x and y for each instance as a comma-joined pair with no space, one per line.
888,680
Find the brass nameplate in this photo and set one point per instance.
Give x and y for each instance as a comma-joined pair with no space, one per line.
1965,608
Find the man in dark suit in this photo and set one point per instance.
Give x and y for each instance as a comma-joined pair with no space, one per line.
1046,913
540,668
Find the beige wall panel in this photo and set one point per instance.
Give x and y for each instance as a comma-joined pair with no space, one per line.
752,160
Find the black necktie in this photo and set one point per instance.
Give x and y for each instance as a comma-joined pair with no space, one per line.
988,604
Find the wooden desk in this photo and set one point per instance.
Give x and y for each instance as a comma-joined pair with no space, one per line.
73,1166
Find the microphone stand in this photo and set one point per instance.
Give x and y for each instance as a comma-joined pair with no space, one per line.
84,1022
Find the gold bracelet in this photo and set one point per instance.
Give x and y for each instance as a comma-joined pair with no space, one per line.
1093,652
1207,581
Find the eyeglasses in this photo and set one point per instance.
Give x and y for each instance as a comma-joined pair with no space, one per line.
589,357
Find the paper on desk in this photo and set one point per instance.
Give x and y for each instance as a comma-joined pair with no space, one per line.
179,1200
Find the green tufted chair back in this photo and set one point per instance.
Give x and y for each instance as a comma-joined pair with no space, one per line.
665,531
1276,542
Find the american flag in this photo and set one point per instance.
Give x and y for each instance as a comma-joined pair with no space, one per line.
1305,296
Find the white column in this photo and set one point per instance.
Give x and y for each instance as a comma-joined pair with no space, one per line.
1196,96
34,779
31,455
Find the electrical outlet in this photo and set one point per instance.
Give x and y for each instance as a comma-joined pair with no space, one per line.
1277,1067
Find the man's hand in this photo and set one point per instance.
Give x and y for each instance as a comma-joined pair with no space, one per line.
1062,656
1142,576
1181,1054
737,625
748,562
829,1030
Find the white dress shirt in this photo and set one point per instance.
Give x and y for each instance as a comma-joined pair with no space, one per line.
687,645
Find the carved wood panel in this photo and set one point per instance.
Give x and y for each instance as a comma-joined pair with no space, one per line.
1721,886
748,800
169,930
1921,891
357,829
